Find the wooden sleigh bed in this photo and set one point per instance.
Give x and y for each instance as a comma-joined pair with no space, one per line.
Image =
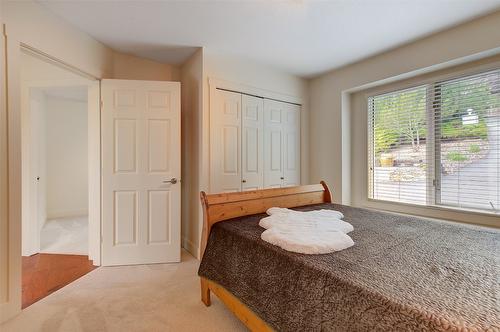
220,207
403,273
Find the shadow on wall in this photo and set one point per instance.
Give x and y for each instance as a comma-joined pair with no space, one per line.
173,55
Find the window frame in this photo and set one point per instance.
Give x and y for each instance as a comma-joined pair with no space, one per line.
433,176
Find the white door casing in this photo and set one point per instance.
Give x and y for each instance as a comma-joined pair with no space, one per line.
140,155
37,165
225,152
94,169
252,143
33,117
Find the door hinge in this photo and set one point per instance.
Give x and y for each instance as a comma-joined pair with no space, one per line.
101,103
435,182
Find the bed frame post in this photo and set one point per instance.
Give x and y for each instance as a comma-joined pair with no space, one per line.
328,193
205,230
205,292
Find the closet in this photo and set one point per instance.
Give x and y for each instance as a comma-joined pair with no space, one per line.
254,143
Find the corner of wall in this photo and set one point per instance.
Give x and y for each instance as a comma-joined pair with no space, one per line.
191,247
345,118
191,77
131,67
4,244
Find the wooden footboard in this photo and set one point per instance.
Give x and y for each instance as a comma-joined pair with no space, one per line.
220,207
240,310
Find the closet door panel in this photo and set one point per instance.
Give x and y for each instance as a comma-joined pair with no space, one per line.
273,144
291,149
252,143
225,152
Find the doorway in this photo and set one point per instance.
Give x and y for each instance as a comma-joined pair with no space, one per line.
136,183
60,215
59,168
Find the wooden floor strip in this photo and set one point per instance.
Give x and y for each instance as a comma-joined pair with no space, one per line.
43,274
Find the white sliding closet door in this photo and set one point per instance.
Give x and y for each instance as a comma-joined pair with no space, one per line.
252,143
273,143
140,170
291,138
281,144
225,154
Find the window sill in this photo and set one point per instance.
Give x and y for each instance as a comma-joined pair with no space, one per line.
438,212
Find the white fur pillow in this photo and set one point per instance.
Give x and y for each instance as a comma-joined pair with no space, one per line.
314,232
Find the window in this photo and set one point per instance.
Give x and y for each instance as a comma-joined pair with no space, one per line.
437,144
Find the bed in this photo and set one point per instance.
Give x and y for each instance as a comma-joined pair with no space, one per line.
403,274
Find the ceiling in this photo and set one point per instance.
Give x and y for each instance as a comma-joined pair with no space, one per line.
301,37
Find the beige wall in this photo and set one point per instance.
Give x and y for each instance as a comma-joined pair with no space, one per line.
129,67
30,23
359,140
66,165
195,74
242,73
3,175
329,121
251,74
191,111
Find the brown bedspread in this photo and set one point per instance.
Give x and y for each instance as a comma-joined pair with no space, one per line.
403,274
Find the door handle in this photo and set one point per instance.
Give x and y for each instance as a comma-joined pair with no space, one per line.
172,181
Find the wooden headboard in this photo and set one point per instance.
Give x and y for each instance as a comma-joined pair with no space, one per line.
220,207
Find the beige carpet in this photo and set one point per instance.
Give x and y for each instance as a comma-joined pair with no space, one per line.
161,297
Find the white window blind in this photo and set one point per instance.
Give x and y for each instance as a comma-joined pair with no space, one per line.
437,144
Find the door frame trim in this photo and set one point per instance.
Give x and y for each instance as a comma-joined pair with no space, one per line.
93,123
11,304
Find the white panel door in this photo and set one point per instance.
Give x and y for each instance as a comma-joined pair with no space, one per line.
273,143
281,144
141,192
225,151
252,177
291,149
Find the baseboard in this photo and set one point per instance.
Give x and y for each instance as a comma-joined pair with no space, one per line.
31,252
192,248
67,214
9,310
